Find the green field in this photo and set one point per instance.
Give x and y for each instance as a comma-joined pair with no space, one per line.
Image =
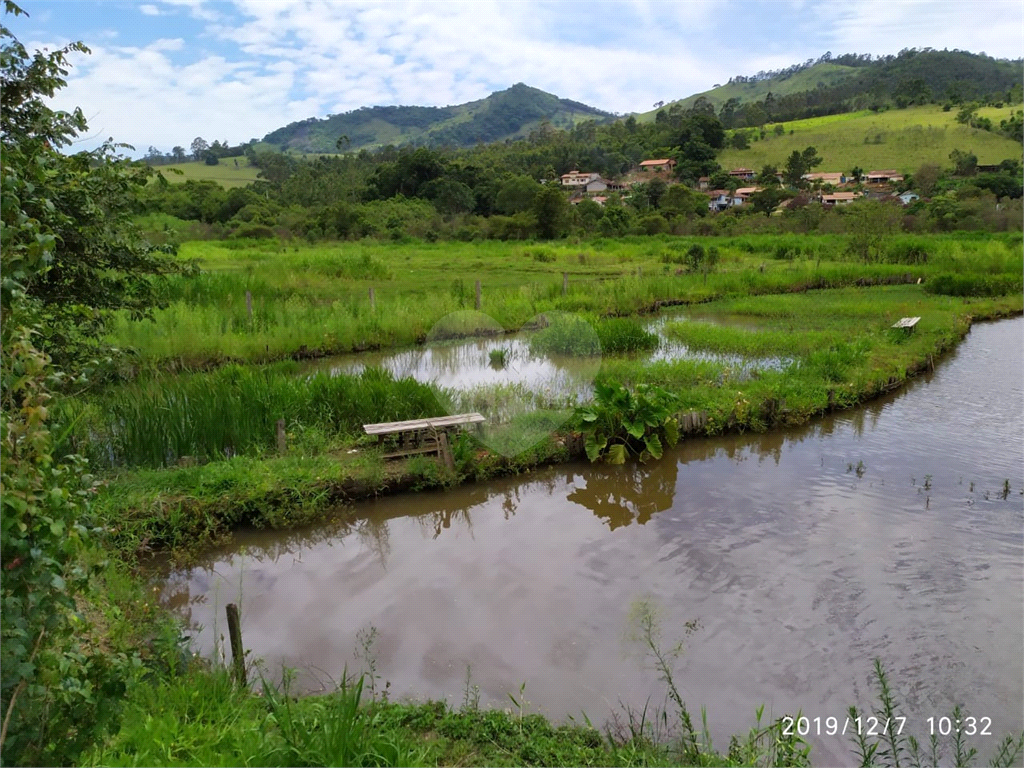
225,173
900,139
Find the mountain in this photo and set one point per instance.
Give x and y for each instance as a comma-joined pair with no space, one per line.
502,115
851,82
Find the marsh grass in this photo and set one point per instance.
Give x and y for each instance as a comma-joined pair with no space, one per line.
621,335
312,300
232,411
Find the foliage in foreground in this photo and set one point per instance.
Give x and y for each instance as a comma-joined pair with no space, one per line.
621,423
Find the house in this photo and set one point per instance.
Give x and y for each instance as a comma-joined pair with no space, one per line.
743,173
840,198
600,185
577,179
743,194
719,199
666,165
883,177
835,179
703,183
908,197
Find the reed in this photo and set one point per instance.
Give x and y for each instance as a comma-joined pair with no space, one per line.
232,411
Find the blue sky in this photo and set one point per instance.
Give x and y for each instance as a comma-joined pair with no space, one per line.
163,72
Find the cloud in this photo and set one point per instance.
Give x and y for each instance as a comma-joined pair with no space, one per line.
149,10
239,70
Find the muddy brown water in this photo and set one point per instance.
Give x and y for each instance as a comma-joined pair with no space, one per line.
799,569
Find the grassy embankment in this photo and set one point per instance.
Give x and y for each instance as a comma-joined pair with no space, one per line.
900,139
220,424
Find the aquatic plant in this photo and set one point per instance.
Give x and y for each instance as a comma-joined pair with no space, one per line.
620,423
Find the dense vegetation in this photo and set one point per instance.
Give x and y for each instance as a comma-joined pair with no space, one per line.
94,673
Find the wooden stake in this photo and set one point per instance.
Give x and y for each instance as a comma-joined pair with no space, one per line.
282,440
237,651
248,305
565,283
478,294
373,300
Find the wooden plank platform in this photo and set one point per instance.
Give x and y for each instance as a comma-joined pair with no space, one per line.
906,322
441,422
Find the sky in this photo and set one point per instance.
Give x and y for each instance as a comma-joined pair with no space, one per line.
161,73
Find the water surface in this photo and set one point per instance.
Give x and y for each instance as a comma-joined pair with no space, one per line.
803,555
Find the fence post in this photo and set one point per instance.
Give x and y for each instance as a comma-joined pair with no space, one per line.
248,305
478,294
565,283
237,650
282,441
373,300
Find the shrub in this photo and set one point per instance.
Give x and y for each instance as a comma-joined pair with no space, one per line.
567,335
624,335
952,284
620,422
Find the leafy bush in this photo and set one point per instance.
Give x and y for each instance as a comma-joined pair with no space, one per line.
619,423
952,284
253,232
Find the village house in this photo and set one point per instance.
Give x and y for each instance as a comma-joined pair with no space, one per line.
743,194
908,197
883,177
665,165
577,179
840,198
602,185
835,179
719,200
703,183
742,173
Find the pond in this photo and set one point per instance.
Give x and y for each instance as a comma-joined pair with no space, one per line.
892,531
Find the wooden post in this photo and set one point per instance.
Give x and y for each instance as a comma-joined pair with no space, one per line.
478,294
639,273
237,651
445,451
565,283
373,300
248,305
282,442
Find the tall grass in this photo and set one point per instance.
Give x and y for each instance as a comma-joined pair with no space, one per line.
313,300
232,411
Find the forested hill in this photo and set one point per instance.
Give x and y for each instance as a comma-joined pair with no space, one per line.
851,82
502,115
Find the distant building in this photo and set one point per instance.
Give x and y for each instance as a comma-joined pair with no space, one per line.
835,179
840,198
666,165
742,173
601,185
703,183
719,199
743,193
577,179
908,197
883,177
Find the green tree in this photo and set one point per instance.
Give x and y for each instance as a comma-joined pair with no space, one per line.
68,243
199,147
517,195
925,179
552,211
798,164
768,177
680,200
64,239
964,163
870,223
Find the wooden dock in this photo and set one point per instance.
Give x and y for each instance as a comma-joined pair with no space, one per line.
423,435
907,323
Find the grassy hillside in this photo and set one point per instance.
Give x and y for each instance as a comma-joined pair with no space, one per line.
902,139
823,74
226,173
502,115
